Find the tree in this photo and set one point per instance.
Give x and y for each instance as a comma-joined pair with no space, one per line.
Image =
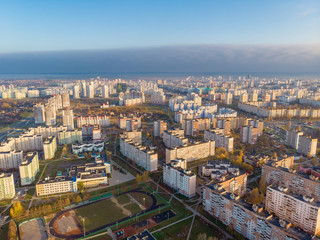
275,155
12,232
138,178
78,199
80,186
262,184
67,202
17,210
255,197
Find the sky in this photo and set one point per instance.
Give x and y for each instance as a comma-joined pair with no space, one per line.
181,35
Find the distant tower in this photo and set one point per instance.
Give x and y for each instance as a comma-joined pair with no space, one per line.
39,113
65,100
105,91
50,115
67,115
90,90
76,91
84,89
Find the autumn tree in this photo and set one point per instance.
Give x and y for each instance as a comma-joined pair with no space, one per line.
17,210
12,232
138,178
78,199
67,202
262,184
255,197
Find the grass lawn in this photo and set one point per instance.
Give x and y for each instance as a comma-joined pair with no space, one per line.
200,227
123,199
143,199
178,231
133,208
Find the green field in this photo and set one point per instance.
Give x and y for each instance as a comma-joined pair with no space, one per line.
107,211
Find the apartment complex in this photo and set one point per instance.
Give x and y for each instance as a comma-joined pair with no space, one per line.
29,168
71,136
174,138
193,127
68,118
10,159
143,156
122,122
176,176
39,113
191,152
248,220
7,188
251,132
303,144
221,140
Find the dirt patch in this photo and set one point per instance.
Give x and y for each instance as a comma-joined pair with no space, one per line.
33,230
67,224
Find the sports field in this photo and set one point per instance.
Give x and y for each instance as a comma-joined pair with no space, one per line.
110,210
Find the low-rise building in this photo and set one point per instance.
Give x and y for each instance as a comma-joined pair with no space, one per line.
60,184
87,147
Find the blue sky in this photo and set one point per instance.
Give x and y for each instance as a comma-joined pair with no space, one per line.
194,33
81,25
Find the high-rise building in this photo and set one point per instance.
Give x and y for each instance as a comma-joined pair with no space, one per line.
301,211
83,89
244,98
68,121
176,175
50,112
65,100
39,114
105,91
303,144
29,168
7,189
90,90
251,132
76,91
50,147
159,127
228,100
254,97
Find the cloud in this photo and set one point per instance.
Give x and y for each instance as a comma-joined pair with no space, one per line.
190,58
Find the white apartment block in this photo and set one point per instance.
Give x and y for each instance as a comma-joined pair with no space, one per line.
144,157
11,159
7,188
102,121
76,91
176,176
122,121
50,147
105,91
29,168
56,186
229,97
221,140
299,210
65,100
68,118
50,113
292,138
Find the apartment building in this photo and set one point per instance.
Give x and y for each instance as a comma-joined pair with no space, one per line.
193,127
174,138
10,159
7,188
191,152
102,121
228,99
50,147
176,176
221,140
292,138
29,168
158,97
248,220
251,132
299,210
122,122
142,155
71,136
303,144
68,118
39,114
159,127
